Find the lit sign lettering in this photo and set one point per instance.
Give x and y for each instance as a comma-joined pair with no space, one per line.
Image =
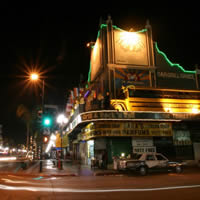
130,129
144,149
107,115
175,75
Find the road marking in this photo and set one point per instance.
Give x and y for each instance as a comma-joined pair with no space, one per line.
19,182
52,178
38,178
15,176
66,190
13,181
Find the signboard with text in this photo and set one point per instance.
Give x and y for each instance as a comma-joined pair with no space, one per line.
65,140
170,75
147,129
176,80
141,150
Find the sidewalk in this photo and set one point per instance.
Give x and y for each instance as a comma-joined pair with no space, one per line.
73,168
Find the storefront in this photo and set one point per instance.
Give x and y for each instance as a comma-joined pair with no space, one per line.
155,118
182,141
125,138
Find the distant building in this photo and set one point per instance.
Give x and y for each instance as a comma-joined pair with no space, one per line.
1,137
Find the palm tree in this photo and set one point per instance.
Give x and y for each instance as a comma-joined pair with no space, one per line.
23,113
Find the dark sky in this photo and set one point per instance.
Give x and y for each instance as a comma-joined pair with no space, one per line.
53,37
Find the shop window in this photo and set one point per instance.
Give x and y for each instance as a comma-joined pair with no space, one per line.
184,152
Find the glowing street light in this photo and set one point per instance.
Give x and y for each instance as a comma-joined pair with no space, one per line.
34,76
61,120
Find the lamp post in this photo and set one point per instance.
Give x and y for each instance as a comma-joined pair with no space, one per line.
35,77
61,120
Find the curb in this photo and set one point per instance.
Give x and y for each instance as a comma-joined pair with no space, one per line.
57,175
107,173
35,175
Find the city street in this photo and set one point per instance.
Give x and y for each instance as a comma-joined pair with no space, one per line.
99,102
114,186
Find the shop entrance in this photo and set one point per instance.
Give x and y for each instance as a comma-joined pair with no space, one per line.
118,146
165,146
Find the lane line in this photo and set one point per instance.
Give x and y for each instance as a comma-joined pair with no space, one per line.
20,182
65,190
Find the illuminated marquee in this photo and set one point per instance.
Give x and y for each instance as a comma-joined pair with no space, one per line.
130,129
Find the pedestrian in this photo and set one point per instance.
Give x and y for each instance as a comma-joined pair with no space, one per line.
105,159
100,101
107,101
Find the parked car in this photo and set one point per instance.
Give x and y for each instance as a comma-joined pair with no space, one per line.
146,161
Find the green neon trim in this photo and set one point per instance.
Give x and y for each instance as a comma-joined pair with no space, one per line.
115,27
142,31
98,35
172,64
89,73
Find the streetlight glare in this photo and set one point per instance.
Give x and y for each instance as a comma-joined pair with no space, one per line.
47,121
62,119
34,76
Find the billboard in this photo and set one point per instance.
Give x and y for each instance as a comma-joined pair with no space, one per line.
130,48
127,76
65,140
95,59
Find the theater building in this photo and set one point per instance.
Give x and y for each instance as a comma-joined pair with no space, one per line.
154,103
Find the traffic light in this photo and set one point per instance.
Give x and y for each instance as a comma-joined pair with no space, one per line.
39,113
45,139
39,116
47,121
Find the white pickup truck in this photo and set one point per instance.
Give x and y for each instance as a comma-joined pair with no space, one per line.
144,162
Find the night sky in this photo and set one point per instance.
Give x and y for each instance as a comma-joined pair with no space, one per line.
53,38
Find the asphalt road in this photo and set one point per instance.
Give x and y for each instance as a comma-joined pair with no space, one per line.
9,167
185,186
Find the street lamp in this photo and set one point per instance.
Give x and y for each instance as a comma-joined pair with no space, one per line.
35,77
61,120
